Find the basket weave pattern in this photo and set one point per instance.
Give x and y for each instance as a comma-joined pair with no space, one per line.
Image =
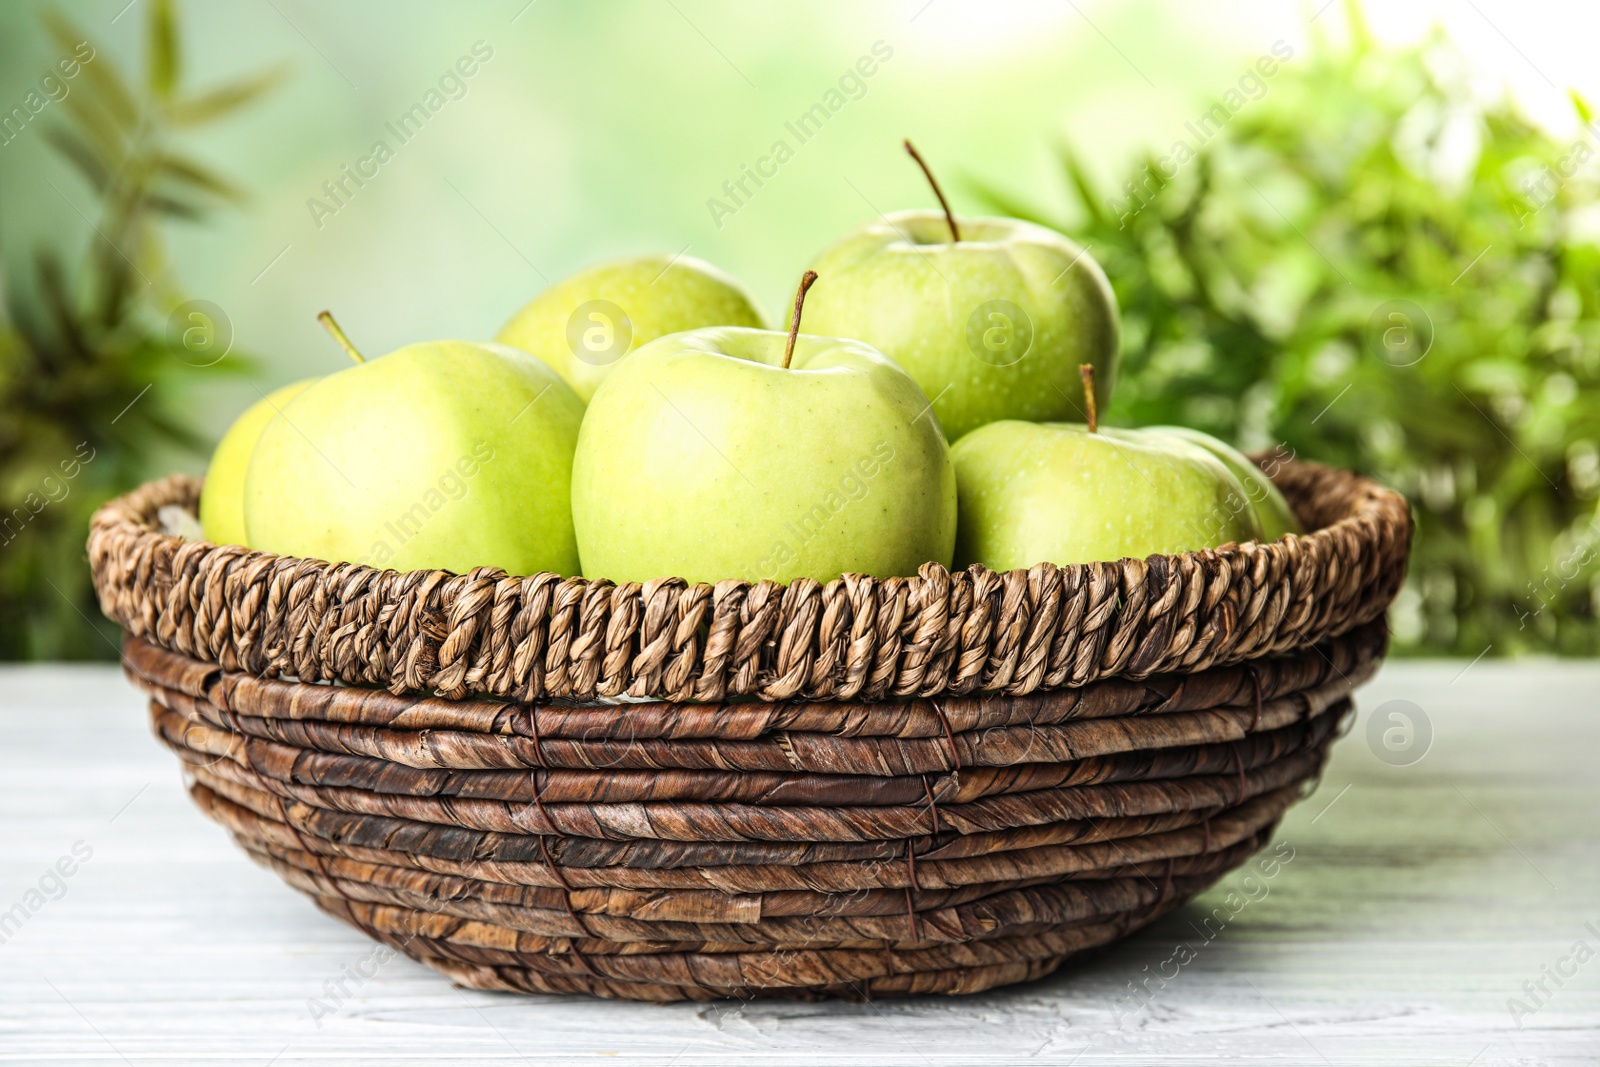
857,638
936,784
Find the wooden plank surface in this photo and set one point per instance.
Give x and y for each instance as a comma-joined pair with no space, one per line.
1419,896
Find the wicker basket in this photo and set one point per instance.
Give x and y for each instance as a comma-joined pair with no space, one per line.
873,787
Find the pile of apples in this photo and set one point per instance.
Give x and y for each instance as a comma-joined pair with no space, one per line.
638,421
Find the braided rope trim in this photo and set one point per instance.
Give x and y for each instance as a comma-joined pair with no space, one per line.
856,638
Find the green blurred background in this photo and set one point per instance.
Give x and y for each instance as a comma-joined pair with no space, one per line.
1383,254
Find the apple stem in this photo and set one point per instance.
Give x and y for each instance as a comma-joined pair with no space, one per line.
950,217
326,318
1086,372
794,327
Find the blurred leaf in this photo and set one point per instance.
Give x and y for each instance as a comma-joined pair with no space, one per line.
172,207
101,77
998,200
98,125
81,155
215,103
196,176
1081,184
58,303
1585,112
161,48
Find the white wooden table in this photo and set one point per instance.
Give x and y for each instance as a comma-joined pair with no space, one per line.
1421,897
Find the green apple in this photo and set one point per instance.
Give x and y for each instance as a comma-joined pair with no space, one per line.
222,498
992,326
710,455
582,326
446,454
1277,517
1062,493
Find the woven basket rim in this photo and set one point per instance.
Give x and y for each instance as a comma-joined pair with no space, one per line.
939,633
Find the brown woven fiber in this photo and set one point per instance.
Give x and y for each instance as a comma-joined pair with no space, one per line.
872,787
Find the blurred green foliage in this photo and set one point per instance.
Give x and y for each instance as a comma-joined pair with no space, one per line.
1372,268
88,353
